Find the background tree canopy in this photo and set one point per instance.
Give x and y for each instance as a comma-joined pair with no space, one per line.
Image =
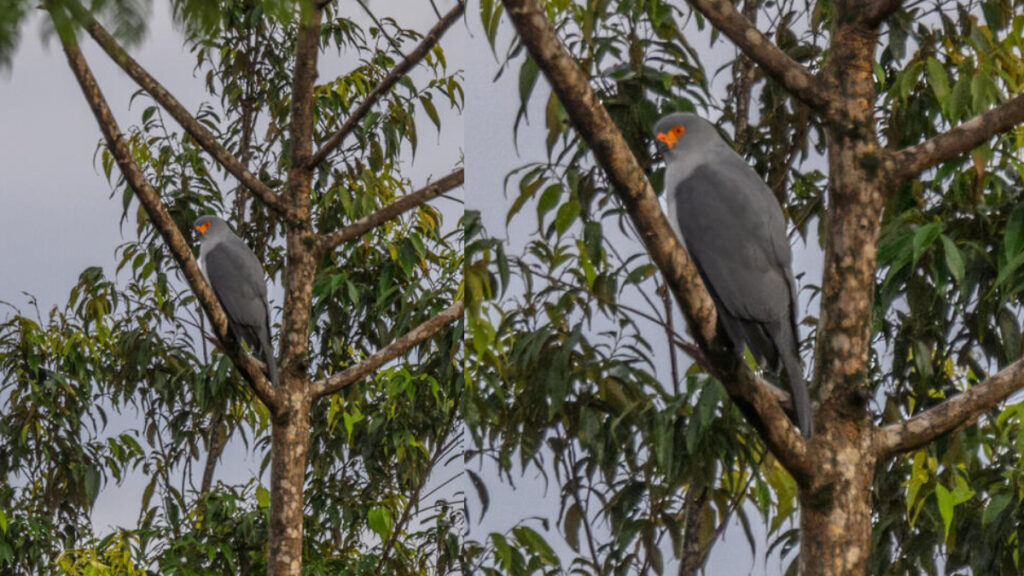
124,381
573,343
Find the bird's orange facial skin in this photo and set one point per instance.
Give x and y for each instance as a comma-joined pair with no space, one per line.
672,136
203,227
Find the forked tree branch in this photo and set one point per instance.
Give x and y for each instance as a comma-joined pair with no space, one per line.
397,73
911,161
393,210
938,420
403,344
161,219
796,79
166,100
594,125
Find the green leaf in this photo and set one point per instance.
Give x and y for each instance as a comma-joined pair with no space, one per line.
428,107
983,91
702,415
567,214
1013,238
481,492
572,523
379,519
995,507
954,258
945,500
548,200
1007,270
924,237
528,186
938,79
92,484
262,497
534,542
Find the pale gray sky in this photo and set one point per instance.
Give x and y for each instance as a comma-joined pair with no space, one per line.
56,217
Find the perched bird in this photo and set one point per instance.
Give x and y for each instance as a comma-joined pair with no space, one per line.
236,276
733,227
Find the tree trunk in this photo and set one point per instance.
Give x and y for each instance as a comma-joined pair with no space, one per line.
835,515
289,449
835,518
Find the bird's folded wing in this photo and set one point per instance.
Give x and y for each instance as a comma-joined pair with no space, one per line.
240,290
731,226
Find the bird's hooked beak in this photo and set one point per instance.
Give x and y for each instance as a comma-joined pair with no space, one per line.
202,228
670,138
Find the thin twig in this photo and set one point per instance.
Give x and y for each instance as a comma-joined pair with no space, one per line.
403,344
396,74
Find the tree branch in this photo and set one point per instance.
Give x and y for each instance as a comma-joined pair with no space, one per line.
403,344
188,122
162,221
794,78
397,73
911,161
594,125
307,49
938,420
878,10
382,215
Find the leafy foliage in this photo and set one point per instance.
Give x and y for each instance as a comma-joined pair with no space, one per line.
378,497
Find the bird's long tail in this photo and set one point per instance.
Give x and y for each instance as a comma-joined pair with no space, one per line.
786,343
268,354
267,346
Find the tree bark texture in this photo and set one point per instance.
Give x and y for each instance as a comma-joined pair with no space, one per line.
289,447
835,517
835,510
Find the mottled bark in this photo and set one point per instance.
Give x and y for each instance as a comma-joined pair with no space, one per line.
835,510
692,556
594,125
290,434
743,76
877,11
217,440
431,38
835,517
289,448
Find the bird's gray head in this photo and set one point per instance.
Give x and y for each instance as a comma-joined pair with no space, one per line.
210,225
682,132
